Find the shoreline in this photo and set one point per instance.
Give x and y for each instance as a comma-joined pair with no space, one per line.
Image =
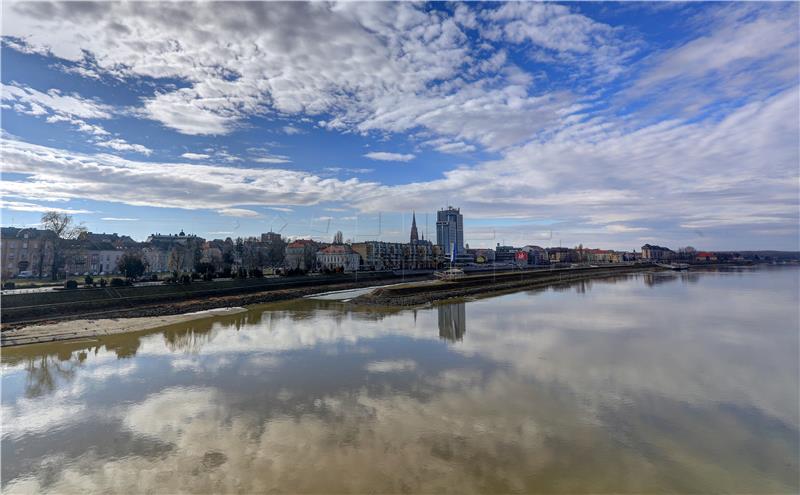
76,327
200,303
425,294
91,329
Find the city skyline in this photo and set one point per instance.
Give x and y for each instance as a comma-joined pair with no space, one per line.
609,125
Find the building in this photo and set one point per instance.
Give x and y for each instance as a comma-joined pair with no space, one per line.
418,255
705,256
93,258
271,237
505,254
601,256
414,234
483,255
533,255
301,255
450,230
379,255
168,253
27,251
656,253
563,255
338,258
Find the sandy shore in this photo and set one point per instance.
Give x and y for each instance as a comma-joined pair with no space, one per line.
88,329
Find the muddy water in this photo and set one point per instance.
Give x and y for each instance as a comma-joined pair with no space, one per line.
641,384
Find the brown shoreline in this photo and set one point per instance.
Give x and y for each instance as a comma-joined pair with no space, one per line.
396,296
72,327
15,333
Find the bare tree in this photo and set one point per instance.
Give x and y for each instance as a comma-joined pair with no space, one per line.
177,259
65,229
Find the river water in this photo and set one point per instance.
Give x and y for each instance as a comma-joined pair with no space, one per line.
683,383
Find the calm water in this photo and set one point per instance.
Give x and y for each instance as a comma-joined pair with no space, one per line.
661,383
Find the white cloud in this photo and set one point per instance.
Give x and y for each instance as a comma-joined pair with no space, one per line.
37,208
619,228
82,125
676,176
384,66
56,102
292,130
272,159
195,156
122,145
389,157
395,366
54,174
239,212
444,145
744,50
119,219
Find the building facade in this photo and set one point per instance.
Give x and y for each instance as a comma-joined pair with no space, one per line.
301,255
26,251
450,230
534,255
657,253
338,258
504,254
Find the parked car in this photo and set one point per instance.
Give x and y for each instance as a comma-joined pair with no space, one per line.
25,274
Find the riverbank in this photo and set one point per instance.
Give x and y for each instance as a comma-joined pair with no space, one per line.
92,329
27,309
414,294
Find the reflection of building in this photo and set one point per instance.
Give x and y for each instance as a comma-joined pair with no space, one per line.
452,321
652,279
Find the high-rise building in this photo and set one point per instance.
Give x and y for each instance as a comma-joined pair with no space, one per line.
414,234
450,230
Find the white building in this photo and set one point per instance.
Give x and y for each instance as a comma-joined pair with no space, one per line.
338,257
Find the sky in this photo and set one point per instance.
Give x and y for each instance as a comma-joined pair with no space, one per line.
604,124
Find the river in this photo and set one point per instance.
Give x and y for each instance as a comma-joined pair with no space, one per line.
683,383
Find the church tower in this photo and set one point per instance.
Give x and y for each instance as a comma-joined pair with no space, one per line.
414,235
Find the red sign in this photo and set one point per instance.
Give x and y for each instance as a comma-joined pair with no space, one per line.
522,256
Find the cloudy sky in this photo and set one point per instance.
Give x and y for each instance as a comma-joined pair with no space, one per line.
605,124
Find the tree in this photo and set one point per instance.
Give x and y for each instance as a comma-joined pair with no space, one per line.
177,259
64,229
131,265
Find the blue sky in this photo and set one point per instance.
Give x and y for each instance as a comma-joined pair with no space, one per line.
606,124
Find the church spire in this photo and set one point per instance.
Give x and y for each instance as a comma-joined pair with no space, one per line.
414,235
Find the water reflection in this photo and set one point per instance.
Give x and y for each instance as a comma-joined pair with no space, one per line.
452,321
611,386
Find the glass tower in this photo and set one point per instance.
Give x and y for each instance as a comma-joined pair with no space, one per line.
450,230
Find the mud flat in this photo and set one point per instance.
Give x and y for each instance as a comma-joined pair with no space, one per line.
413,294
28,309
90,329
